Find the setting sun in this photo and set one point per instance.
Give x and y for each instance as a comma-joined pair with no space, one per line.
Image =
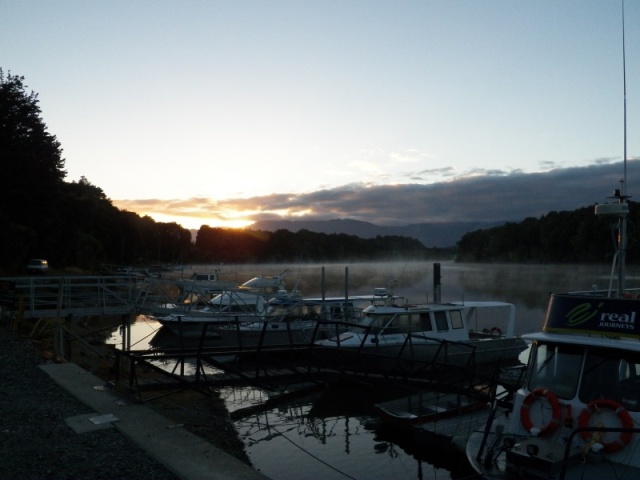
194,223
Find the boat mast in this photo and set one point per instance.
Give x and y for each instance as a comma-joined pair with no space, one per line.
624,94
622,240
621,208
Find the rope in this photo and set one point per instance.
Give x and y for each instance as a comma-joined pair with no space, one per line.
311,454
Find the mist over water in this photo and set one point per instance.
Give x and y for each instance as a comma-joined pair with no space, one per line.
526,286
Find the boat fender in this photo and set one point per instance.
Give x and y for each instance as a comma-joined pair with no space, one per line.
496,331
556,411
594,407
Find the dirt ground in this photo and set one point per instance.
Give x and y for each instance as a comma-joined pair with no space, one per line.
203,414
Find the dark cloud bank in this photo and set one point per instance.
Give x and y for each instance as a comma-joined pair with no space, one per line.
439,214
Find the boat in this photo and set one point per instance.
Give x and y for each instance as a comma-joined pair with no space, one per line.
578,410
245,303
457,334
431,406
293,321
205,282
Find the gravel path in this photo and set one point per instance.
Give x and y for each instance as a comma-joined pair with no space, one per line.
36,443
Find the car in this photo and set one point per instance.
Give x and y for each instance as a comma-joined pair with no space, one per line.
37,265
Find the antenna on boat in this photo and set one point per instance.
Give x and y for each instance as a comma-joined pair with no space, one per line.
621,208
624,94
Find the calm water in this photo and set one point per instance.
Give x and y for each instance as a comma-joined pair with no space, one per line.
333,435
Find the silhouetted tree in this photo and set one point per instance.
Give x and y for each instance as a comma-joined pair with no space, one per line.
32,166
70,224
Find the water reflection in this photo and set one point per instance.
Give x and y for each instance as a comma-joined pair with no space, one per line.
289,442
333,436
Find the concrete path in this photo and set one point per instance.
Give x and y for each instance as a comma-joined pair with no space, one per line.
185,454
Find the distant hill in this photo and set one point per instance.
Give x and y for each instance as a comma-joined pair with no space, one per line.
430,234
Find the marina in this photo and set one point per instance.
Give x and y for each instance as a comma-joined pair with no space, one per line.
353,427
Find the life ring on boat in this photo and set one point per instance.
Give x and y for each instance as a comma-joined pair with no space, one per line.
496,331
594,407
556,411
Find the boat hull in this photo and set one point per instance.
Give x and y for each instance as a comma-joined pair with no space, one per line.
195,327
272,333
476,356
429,407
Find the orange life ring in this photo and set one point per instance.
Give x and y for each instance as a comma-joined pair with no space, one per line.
623,415
556,411
496,331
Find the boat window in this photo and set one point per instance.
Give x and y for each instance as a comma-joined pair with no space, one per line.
456,319
613,375
556,368
204,278
441,321
239,308
400,324
375,322
425,323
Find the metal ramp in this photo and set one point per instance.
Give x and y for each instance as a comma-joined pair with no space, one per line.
57,297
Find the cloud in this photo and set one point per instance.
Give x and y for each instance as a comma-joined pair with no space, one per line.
482,195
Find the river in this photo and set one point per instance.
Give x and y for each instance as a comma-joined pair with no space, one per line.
332,435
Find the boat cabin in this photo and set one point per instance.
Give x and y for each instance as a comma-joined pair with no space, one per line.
287,309
582,373
453,322
204,277
433,322
232,302
266,285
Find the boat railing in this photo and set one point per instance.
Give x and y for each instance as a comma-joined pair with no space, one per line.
485,437
607,293
592,430
443,348
491,456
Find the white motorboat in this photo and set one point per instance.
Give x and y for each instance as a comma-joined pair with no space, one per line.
455,334
204,282
245,303
577,413
298,321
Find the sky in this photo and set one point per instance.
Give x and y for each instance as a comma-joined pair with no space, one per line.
395,112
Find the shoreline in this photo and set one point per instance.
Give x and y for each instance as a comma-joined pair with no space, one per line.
38,443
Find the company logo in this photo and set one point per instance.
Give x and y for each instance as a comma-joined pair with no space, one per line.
587,312
582,313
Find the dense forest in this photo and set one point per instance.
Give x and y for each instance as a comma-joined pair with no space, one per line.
577,236
75,226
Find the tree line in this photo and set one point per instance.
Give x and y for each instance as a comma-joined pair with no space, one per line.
74,225
577,236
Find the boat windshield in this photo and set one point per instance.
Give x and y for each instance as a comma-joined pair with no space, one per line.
295,311
375,323
310,311
607,373
613,375
556,368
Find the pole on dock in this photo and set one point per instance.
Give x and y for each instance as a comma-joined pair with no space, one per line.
437,283
126,332
346,293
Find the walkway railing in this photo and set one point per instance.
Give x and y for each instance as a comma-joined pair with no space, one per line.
52,296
